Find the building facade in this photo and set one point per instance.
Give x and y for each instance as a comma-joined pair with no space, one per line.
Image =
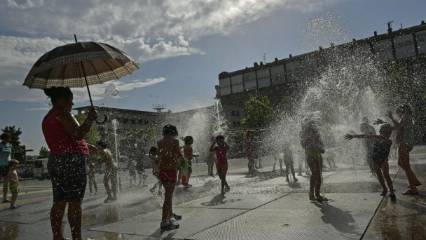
290,77
137,130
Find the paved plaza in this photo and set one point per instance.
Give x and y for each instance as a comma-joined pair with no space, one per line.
262,207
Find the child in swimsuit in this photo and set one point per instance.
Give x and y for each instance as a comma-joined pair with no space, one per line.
186,163
169,156
380,155
13,179
220,147
154,162
289,163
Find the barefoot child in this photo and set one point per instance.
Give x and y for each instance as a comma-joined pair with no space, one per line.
110,177
186,163
91,174
220,147
250,152
314,148
169,159
379,156
288,161
280,160
140,168
405,139
13,180
154,161
132,172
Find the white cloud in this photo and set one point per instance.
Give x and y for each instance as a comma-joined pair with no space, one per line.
99,91
25,4
113,89
145,29
160,28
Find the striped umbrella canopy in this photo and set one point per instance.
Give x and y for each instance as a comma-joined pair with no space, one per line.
79,64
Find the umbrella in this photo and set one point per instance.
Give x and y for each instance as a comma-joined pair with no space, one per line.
79,64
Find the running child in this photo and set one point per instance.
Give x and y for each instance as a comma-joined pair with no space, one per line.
220,147
289,162
169,156
380,156
186,163
154,163
13,179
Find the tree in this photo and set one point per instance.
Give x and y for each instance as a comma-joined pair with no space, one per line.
18,151
93,135
44,152
258,112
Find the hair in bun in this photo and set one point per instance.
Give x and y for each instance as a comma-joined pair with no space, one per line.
55,93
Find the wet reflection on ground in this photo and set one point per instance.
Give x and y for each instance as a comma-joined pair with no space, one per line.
404,219
9,231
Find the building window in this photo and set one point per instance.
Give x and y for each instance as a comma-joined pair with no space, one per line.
133,121
263,78
237,83
250,80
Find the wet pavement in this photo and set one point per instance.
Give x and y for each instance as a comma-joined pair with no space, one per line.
262,207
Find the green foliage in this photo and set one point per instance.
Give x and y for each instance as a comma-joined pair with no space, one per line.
18,151
44,152
93,136
258,112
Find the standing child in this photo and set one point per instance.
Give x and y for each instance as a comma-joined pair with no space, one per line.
186,163
367,129
220,147
140,168
92,177
278,159
380,155
405,140
169,156
288,161
13,180
154,161
110,177
250,152
132,172
310,140
5,153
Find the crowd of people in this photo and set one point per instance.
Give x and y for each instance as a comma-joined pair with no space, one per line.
70,167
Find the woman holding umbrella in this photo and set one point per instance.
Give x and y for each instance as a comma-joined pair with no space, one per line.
72,65
67,160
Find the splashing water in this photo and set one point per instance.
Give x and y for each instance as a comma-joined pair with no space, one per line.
338,97
220,127
114,123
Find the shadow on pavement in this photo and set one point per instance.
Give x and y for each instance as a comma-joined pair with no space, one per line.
216,200
341,220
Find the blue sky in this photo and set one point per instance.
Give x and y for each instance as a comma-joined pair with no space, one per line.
181,45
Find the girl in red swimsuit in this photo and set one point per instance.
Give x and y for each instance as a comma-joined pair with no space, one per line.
220,147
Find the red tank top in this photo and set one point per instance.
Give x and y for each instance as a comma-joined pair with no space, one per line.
221,155
58,140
